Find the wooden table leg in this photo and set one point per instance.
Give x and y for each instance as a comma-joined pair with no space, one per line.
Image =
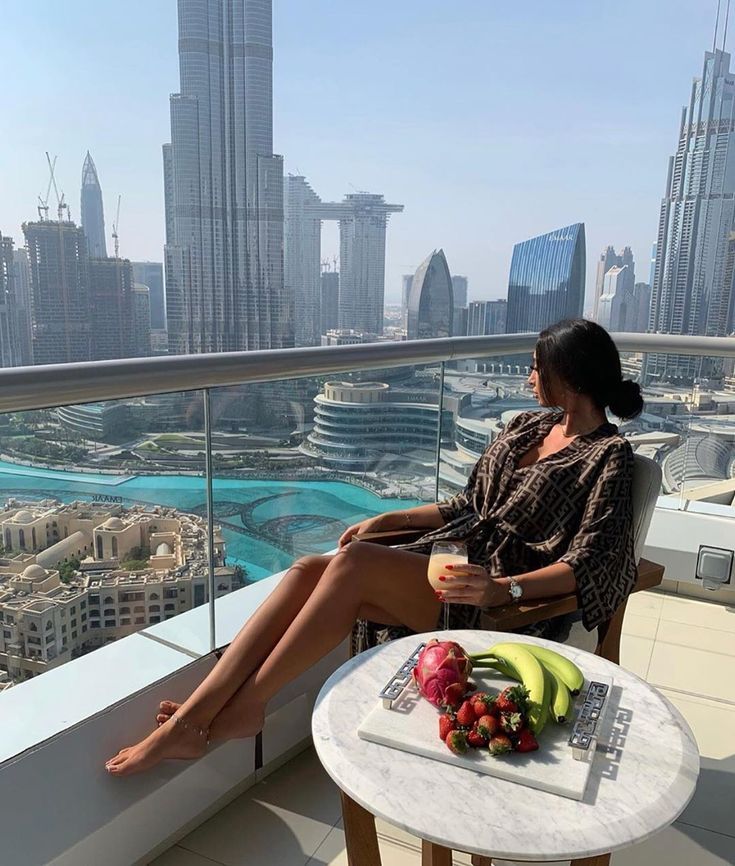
598,860
435,855
361,840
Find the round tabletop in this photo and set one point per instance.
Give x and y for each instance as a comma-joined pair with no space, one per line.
639,784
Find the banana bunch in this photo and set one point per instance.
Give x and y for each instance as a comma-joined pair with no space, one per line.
551,679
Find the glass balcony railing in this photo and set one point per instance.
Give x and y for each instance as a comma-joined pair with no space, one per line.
126,503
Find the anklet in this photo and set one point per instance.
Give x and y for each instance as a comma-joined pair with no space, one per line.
202,732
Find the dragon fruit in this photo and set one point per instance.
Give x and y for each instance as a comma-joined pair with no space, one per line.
441,673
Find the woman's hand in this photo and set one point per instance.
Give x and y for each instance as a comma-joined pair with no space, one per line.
471,584
379,523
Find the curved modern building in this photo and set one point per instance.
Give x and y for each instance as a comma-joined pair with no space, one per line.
431,299
546,280
356,424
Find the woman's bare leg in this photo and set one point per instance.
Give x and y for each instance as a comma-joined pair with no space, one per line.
261,632
359,577
246,652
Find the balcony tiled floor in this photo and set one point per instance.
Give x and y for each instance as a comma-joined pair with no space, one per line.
685,647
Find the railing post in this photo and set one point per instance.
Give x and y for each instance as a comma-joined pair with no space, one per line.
439,432
210,516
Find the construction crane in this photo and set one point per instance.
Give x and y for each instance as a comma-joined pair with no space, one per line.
61,205
43,202
114,229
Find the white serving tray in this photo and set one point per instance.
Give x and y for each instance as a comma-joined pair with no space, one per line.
412,725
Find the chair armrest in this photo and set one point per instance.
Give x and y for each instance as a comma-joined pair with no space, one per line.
512,616
391,536
650,574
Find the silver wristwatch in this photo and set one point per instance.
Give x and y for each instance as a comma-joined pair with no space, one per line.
515,590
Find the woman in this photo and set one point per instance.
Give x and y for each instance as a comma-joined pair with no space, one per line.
547,510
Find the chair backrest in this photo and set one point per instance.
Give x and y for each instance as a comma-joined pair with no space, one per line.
646,489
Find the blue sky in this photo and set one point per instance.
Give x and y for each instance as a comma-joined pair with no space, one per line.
490,121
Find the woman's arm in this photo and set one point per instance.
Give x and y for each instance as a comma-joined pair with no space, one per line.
471,584
421,517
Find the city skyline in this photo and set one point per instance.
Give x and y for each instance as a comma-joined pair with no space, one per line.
443,211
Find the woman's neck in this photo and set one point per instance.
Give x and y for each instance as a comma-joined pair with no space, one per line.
580,420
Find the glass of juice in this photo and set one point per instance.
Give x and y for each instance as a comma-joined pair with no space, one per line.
444,553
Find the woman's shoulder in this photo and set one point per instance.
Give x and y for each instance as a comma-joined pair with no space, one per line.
611,443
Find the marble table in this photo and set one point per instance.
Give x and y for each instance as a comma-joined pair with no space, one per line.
642,778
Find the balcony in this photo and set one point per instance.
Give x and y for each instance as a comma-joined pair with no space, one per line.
242,500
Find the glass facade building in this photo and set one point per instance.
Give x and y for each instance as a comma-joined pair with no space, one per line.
431,299
546,282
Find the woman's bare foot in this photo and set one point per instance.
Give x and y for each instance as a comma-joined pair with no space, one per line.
170,740
235,720
166,709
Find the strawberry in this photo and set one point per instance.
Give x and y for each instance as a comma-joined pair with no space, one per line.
482,703
487,725
511,722
447,723
499,744
526,741
453,695
476,739
513,699
457,742
466,715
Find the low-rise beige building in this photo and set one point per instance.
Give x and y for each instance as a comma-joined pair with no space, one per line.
44,620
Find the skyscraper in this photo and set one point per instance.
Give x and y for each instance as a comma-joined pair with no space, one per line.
616,306
362,225
92,211
111,307
546,280
431,301
329,302
23,318
459,287
9,354
302,258
362,221
406,281
690,293
610,259
486,317
57,253
224,185
140,332
151,274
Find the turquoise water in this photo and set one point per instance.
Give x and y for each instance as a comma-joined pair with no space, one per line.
266,524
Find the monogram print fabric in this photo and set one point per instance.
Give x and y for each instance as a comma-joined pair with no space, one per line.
574,506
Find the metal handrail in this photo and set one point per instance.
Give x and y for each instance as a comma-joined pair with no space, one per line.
42,387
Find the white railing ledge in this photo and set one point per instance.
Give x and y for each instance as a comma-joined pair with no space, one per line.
49,704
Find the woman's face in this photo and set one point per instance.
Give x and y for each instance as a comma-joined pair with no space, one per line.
534,383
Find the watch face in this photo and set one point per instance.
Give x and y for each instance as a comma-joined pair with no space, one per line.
515,590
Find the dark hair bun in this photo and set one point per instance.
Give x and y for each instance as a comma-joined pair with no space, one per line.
626,400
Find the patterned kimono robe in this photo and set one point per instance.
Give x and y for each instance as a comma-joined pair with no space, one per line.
574,506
